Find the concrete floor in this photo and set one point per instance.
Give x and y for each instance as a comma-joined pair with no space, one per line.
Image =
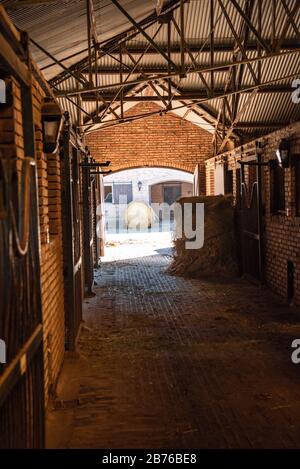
168,362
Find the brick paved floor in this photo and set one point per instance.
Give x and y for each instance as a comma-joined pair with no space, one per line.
177,363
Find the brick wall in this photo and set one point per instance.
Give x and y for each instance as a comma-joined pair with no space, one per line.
164,140
51,251
12,145
281,231
210,177
11,130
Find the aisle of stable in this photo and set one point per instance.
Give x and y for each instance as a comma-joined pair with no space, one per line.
168,362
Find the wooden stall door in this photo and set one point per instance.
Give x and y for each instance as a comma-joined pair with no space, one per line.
71,239
250,223
22,413
88,214
101,217
22,376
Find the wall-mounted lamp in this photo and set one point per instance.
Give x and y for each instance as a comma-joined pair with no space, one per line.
283,153
51,122
139,184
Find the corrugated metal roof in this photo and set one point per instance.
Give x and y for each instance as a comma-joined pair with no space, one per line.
61,28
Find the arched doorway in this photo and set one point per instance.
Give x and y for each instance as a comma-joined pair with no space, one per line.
133,201
169,191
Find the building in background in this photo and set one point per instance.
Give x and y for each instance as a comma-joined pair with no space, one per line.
147,185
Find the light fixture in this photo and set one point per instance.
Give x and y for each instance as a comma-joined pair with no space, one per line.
140,185
51,122
283,153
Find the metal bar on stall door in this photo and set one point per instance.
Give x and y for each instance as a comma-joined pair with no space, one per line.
182,40
260,217
95,237
68,236
94,165
87,222
100,172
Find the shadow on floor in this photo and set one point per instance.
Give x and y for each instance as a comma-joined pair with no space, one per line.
171,362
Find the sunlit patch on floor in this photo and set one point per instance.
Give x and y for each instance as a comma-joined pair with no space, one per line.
122,246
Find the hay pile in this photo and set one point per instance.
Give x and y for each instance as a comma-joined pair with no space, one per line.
218,255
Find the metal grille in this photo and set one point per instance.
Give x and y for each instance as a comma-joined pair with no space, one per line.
250,231
250,225
21,378
71,240
88,189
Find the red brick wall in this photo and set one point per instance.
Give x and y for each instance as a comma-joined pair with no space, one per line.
11,144
281,232
51,251
210,176
164,140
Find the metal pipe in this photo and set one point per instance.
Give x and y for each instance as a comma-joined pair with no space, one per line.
143,32
66,69
195,70
187,105
88,14
182,41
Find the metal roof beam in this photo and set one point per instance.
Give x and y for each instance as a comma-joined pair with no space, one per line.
143,32
159,6
260,125
159,96
226,94
204,47
82,81
202,110
149,70
112,45
174,74
136,67
228,134
238,41
289,21
200,48
250,25
58,62
295,27
209,91
238,77
188,95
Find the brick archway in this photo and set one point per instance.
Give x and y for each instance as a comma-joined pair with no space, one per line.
157,141
154,166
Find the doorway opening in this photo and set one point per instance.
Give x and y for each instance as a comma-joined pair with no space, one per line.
139,210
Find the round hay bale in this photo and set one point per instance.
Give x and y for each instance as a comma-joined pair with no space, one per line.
138,215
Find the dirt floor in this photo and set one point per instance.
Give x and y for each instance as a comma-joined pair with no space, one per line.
168,362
